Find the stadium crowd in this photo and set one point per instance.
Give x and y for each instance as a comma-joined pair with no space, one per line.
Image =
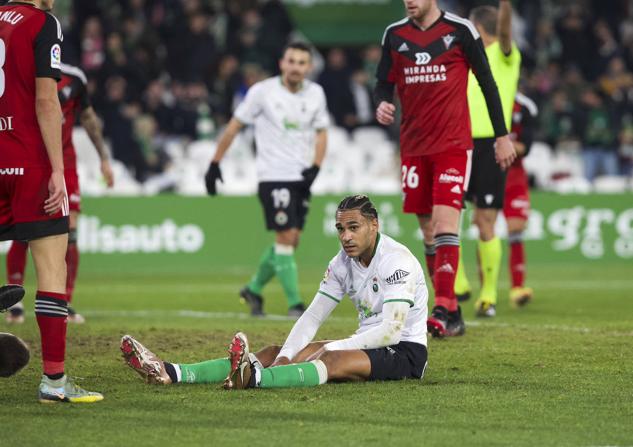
162,70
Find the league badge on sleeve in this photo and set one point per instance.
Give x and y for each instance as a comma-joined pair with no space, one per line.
56,56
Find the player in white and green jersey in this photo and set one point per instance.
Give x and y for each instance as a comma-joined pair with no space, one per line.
386,284
487,180
290,118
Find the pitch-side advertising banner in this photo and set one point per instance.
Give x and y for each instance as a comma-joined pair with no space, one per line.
173,233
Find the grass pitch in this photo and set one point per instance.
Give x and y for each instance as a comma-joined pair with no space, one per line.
558,373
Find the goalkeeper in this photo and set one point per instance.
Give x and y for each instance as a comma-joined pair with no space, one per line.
386,284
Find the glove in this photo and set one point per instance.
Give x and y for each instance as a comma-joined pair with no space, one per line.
213,174
309,175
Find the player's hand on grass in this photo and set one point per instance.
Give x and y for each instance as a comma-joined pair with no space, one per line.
309,175
504,152
106,171
212,176
56,193
279,361
385,113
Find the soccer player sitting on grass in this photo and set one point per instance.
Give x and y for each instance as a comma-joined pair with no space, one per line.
386,284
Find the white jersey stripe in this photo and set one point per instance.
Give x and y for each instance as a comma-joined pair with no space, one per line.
399,22
74,71
455,18
528,103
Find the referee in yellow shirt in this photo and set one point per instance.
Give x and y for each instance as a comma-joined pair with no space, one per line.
487,181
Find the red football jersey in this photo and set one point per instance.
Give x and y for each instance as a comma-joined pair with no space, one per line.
524,115
429,68
30,47
73,97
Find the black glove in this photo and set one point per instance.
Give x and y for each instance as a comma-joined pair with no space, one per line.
212,176
309,175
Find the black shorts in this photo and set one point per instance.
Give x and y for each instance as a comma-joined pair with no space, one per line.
406,360
487,180
285,204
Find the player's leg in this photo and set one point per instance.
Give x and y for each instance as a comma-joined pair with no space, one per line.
48,240
490,253
72,266
450,174
286,268
417,190
516,208
424,220
16,264
404,360
486,191
462,285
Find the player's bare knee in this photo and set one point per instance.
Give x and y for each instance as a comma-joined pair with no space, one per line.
333,363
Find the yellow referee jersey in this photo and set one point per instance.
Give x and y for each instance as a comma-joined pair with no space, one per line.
506,71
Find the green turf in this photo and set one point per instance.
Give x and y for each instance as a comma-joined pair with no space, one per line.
557,373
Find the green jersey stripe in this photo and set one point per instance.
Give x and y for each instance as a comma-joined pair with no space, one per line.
399,300
329,296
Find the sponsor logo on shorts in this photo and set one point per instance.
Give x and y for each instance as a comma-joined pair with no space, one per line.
281,218
6,123
397,276
489,198
456,189
451,178
520,204
11,171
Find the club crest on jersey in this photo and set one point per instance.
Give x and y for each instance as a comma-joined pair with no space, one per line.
448,40
375,285
422,58
397,276
56,56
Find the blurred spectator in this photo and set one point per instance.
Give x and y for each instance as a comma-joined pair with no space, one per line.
336,82
598,128
558,122
118,120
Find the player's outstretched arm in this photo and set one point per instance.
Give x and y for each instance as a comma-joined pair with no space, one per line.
305,328
91,123
213,173
49,118
504,26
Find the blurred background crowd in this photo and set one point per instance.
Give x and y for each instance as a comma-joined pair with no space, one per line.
164,71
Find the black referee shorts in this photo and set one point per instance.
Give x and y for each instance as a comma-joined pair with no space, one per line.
406,360
487,180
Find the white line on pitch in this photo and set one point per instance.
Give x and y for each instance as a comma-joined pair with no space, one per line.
245,316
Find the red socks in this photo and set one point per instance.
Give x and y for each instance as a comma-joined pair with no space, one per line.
72,263
446,261
16,262
517,259
51,311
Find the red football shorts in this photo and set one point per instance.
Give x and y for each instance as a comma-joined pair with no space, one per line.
23,192
437,179
72,189
516,202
